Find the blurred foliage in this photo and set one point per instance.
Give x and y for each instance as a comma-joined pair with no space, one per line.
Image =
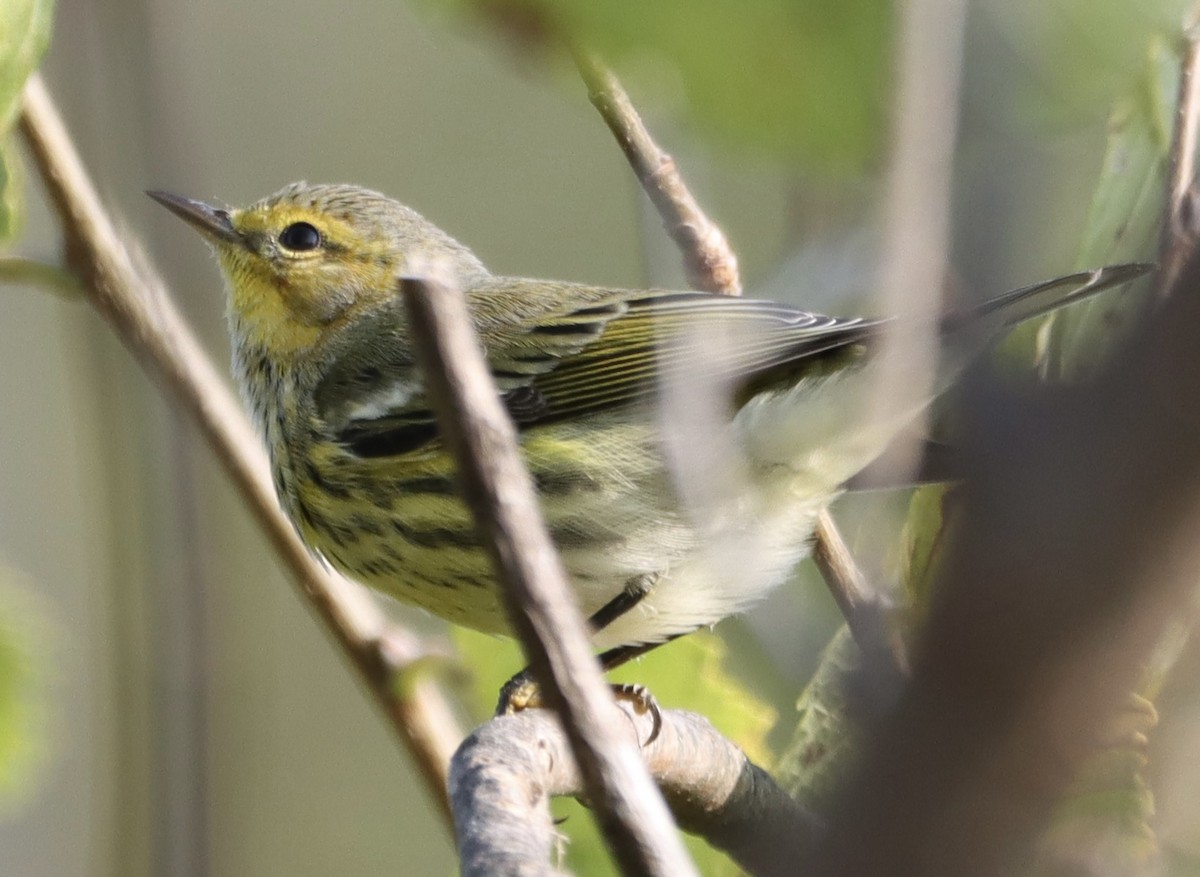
828,732
806,79
1126,215
686,674
1103,824
809,80
10,192
1123,225
24,634
24,35
1078,56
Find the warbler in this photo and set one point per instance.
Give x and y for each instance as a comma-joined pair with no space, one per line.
323,356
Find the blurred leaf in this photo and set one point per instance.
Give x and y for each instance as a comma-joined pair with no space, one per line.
924,533
23,636
803,78
1102,826
10,191
1103,823
1124,221
1122,226
828,734
1076,57
24,35
686,674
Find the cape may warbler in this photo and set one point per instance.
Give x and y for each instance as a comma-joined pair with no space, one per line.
324,359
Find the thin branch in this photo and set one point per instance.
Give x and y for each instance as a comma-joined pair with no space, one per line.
503,776
1179,232
859,605
708,260
541,605
134,300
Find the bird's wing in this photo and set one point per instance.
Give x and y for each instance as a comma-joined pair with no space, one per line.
621,361
566,350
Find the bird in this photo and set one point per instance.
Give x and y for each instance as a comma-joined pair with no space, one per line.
322,353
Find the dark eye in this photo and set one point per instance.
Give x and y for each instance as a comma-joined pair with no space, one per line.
300,237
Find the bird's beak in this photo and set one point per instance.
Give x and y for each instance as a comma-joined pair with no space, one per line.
213,222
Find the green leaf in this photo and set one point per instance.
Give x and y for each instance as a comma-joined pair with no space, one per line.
23,639
686,674
1125,218
24,34
924,533
828,737
10,192
807,79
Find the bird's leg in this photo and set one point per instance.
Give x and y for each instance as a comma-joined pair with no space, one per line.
634,592
522,692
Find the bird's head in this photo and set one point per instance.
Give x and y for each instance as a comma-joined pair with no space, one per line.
303,260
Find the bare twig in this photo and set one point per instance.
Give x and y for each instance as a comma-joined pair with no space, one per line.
134,300
502,778
708,260
499,490
1051,598
1179,233
859,604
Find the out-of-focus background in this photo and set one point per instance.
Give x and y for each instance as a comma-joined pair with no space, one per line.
189,717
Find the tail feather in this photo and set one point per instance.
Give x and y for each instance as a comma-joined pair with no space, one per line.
1049,295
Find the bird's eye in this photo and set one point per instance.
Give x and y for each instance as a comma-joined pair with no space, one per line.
300,237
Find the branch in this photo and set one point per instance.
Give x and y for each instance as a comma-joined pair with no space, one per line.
541,605
504,774
135,301
863,610
708,260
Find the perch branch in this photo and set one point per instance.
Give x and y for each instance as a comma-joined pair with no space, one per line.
502,778
135,302
541,605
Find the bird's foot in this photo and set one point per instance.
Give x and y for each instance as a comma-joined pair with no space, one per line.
522,692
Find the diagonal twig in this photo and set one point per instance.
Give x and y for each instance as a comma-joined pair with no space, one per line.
708,260
135,302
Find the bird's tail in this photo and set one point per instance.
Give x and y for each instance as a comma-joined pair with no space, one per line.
1006,311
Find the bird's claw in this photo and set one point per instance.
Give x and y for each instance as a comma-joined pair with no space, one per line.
523,693
642,702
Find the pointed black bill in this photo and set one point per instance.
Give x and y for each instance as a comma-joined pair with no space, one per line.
213,222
